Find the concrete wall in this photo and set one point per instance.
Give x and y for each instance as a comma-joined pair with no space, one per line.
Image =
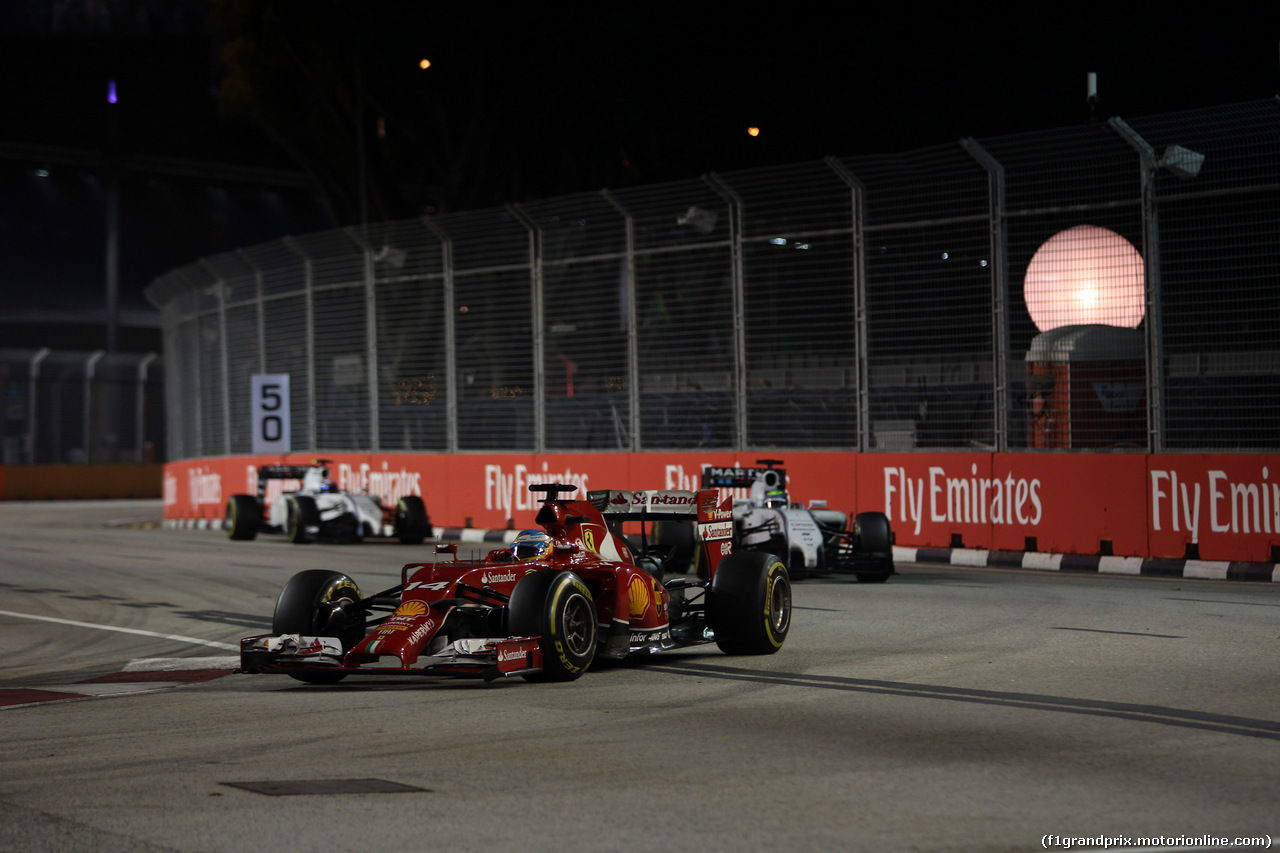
79,482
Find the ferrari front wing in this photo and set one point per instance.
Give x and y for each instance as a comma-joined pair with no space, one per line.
488,658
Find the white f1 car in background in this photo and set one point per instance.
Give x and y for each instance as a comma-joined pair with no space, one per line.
812,540
318,510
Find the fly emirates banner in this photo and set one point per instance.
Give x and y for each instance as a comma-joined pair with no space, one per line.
1226,506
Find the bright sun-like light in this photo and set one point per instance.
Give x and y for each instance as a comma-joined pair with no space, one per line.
1086,274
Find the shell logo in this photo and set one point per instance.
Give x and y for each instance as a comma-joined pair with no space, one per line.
410,608
638,593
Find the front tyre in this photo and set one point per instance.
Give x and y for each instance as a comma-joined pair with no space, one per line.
557,608
750,603
244,517
302,519
320,603
412,524
875,546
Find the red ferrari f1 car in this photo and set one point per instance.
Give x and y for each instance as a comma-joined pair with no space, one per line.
543,608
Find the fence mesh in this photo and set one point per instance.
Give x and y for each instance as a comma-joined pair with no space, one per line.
1109,286
79,407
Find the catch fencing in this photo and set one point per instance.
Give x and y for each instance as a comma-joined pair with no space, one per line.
64,407
1111,286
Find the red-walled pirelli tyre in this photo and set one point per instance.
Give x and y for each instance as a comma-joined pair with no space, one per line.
556,607
750,603
320,603
302,519
244,516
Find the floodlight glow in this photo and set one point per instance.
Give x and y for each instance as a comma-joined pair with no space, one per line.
1086,274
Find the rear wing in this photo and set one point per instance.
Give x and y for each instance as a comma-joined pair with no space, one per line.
295,473
648,505
282,472
744,478
703,508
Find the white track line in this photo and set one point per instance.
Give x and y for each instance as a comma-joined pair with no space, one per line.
177,638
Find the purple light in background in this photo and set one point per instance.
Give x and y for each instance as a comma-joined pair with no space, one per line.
111,91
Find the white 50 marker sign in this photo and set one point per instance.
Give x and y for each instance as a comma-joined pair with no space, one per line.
270,408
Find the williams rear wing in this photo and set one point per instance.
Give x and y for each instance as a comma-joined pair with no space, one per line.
745,478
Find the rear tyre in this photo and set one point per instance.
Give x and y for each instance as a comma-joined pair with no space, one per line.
750,603
302,519
320,603
412,525
875,546
244,517
556,607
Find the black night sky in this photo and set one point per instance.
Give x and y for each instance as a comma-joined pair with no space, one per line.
521,101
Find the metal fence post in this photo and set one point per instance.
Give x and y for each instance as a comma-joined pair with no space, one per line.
539,332
862,380
33,388
310,325
633,323
139,405
370,334
999,290
1151,269
734,204
90,372
450,335
220,289
260,310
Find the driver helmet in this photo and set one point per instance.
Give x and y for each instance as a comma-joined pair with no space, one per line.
776,498
531,545
329,486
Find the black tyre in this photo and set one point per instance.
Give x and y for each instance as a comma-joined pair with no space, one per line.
302,521
556,607
750,603
320,603
412,524
875,546
244,517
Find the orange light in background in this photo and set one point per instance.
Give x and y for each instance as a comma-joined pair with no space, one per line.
1086,274
424,64
753,131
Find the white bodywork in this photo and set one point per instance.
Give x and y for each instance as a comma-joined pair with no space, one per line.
794,523
332,505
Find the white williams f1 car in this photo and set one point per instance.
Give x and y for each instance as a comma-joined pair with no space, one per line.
318,510
809,540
